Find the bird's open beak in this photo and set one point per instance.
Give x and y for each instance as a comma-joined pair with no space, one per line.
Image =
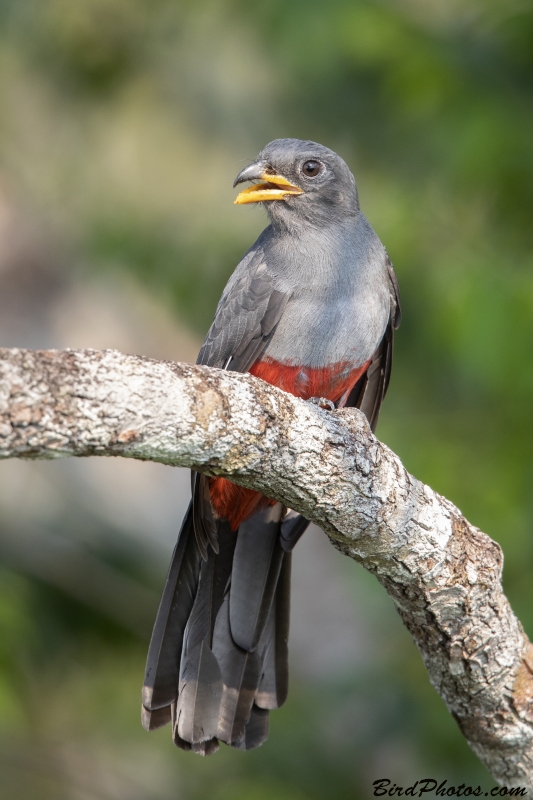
273,187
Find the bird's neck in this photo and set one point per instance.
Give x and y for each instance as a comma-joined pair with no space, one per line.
300,223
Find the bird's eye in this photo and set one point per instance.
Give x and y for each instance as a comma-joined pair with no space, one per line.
311,168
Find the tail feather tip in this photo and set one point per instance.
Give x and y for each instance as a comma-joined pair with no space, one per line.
151,720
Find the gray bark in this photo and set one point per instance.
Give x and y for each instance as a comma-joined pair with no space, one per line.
443,574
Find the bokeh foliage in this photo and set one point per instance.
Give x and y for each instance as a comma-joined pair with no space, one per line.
123,124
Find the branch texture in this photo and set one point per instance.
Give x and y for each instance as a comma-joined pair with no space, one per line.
443,574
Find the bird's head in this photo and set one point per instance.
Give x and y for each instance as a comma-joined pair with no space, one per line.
299,180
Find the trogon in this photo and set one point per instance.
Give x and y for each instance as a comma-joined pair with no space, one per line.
311,308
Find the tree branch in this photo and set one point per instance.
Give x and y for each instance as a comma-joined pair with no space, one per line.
443,574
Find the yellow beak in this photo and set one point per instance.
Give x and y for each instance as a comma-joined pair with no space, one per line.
276,187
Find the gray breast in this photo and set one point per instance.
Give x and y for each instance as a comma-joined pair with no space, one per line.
339,297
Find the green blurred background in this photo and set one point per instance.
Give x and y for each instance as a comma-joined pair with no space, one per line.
122,126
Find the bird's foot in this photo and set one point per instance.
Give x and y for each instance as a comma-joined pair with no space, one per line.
322,402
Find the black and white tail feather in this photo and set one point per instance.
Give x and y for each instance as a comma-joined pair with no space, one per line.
218,657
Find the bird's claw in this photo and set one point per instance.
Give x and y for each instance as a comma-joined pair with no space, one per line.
322,402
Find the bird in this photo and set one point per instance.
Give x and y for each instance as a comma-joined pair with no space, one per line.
311,308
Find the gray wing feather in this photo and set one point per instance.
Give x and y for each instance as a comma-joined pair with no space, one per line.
246,316
370,389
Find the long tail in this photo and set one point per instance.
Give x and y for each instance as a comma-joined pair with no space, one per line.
218,659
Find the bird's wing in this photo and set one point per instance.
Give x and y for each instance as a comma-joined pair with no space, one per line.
248,639
246,317
245,320
370,389
396,309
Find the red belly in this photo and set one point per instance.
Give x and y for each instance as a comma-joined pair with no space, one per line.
235,503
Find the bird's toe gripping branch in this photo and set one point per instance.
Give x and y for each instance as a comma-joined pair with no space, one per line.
322,402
